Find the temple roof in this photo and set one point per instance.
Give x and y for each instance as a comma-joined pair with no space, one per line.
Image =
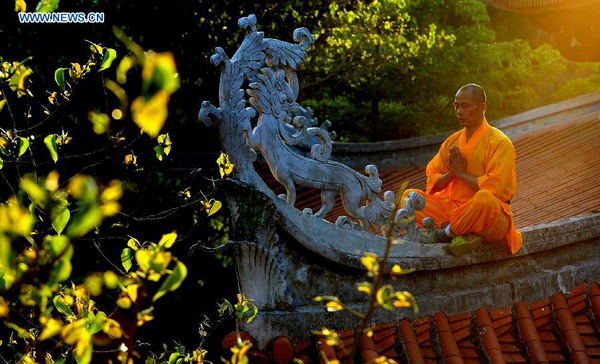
536,6
554,168
561,329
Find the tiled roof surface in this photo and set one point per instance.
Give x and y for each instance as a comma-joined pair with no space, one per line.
557,172
539,5
563,329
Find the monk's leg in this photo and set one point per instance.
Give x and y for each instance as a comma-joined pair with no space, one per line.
481,215
438,208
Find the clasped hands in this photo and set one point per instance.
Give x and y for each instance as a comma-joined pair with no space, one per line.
457,164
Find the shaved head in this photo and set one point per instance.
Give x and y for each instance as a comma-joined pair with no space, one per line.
475,92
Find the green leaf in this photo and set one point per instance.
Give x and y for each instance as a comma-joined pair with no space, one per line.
6,256
1,163
173,281
60,216
126,257
46,6
59,77
253,313
50,142
85,221
108,59
158,150
58,244
34,191
97,323
173,358
61,270
23,145
62,307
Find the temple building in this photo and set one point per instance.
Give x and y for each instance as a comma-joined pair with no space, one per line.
305,210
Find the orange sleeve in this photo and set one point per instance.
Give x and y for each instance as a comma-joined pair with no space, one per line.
436,168
500,174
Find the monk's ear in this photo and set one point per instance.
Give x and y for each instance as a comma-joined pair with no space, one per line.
483,107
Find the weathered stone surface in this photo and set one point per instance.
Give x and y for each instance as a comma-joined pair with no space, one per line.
556,257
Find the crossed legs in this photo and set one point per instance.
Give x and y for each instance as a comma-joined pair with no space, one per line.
481,215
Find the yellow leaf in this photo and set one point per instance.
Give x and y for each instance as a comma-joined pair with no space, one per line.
133,243
51,182
110,208
124,302
143,317
132,292
212,206
100,121
18,80
83,187
150,115
142,257
159,70
130,159
20,6
14,219
34,191
113,192
225,165
126,63
52,97
71,332
50,326
365,287
3,307
112,328
333,306
168,240
111,280
83,348
369,261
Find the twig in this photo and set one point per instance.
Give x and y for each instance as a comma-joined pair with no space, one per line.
108,260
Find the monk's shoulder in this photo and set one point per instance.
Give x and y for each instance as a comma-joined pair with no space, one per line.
496,136
452,139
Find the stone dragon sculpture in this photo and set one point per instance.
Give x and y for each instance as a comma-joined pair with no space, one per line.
266,69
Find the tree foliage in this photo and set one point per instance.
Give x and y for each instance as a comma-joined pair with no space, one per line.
389,69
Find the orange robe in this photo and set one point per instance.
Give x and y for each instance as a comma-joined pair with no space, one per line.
490,157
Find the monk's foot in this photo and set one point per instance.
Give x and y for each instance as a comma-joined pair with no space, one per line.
464,244
441,236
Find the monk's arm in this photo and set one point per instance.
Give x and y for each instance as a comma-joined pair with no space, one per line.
470,180
443,181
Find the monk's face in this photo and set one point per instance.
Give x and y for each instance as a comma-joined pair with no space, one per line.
468,111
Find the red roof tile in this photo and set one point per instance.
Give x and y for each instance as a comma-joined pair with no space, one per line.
438,338
568,330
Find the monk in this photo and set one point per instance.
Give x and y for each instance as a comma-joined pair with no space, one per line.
471,181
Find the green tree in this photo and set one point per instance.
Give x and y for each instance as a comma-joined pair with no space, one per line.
399,63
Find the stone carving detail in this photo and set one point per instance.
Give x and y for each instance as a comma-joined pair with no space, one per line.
405,220
266,69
